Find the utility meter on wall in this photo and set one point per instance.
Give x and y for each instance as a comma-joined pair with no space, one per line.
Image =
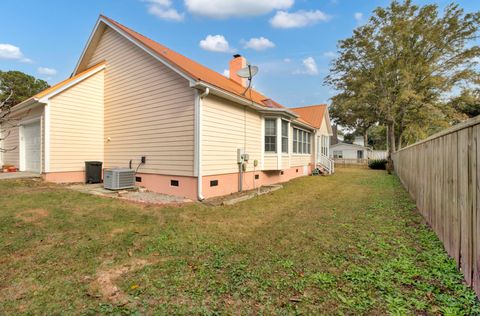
242,156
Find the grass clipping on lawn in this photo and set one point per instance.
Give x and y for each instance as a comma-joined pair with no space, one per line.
351,243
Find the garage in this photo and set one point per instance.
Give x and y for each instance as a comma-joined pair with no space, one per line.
30,147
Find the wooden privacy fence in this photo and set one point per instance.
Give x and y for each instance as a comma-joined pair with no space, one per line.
442,174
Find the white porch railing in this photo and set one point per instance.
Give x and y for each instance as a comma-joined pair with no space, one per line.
327,163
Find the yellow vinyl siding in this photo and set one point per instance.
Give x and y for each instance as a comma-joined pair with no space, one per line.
297,160
149,109
227,126
270,162
285,161
76,125
12,135
323,128
300,160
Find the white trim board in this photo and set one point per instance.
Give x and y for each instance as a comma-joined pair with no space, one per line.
132,40
21,141
88,74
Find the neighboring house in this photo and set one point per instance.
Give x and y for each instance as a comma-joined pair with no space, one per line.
349,151
357,151
130,97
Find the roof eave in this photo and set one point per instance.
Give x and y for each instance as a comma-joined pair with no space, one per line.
107,22
244,101
24,104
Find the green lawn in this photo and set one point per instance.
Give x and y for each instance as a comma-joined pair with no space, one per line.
350,243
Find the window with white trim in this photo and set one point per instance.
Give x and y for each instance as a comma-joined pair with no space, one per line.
337,154
270,135
295,140
302,141
284,136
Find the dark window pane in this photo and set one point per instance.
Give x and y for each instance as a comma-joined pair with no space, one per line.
284,136
270,135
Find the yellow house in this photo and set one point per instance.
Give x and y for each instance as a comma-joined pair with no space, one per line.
130,97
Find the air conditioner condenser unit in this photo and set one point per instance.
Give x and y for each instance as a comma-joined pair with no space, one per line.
118,178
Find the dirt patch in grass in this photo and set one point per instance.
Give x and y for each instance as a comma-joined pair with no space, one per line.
348,244
33,215
105,282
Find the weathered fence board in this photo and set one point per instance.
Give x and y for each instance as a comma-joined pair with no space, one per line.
442,175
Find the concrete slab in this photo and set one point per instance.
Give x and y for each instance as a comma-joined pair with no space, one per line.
134,195
235,198
18,175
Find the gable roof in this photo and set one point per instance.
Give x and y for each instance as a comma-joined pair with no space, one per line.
82,75
350,145
65,84
189,67
196,71
312,114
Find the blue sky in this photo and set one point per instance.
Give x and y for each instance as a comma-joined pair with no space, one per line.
292,41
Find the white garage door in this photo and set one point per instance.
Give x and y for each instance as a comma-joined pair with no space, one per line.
31,138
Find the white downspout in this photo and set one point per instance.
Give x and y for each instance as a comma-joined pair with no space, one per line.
198,141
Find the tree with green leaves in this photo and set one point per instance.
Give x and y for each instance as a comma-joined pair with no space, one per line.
15,87
467,103
399,66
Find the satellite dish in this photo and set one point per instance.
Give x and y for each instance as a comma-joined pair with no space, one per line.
248,72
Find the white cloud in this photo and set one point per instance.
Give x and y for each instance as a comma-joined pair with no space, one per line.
309,67
260,43
221,9
358,16
163,9
330,54
226,73
216,43
9,51
285,20
287,60
46,71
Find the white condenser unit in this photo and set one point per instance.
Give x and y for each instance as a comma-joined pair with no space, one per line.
118,178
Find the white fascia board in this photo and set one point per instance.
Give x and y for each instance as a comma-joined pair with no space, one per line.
95,28
232,97
329,123
24,104
45,98
135,42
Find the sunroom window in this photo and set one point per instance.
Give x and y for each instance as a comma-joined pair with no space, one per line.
270,135
301,141
284,136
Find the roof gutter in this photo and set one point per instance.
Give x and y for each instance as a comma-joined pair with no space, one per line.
26,103
244,101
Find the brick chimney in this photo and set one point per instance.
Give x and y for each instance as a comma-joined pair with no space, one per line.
237,63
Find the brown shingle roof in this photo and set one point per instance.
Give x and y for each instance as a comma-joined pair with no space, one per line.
312,114
199,72
192,68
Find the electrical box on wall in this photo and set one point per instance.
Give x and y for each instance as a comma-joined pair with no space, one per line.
240,154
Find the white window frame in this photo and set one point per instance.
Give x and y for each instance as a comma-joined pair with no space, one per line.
303,140
274,120
285,150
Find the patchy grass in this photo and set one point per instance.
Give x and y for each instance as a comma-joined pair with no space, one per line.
351,243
